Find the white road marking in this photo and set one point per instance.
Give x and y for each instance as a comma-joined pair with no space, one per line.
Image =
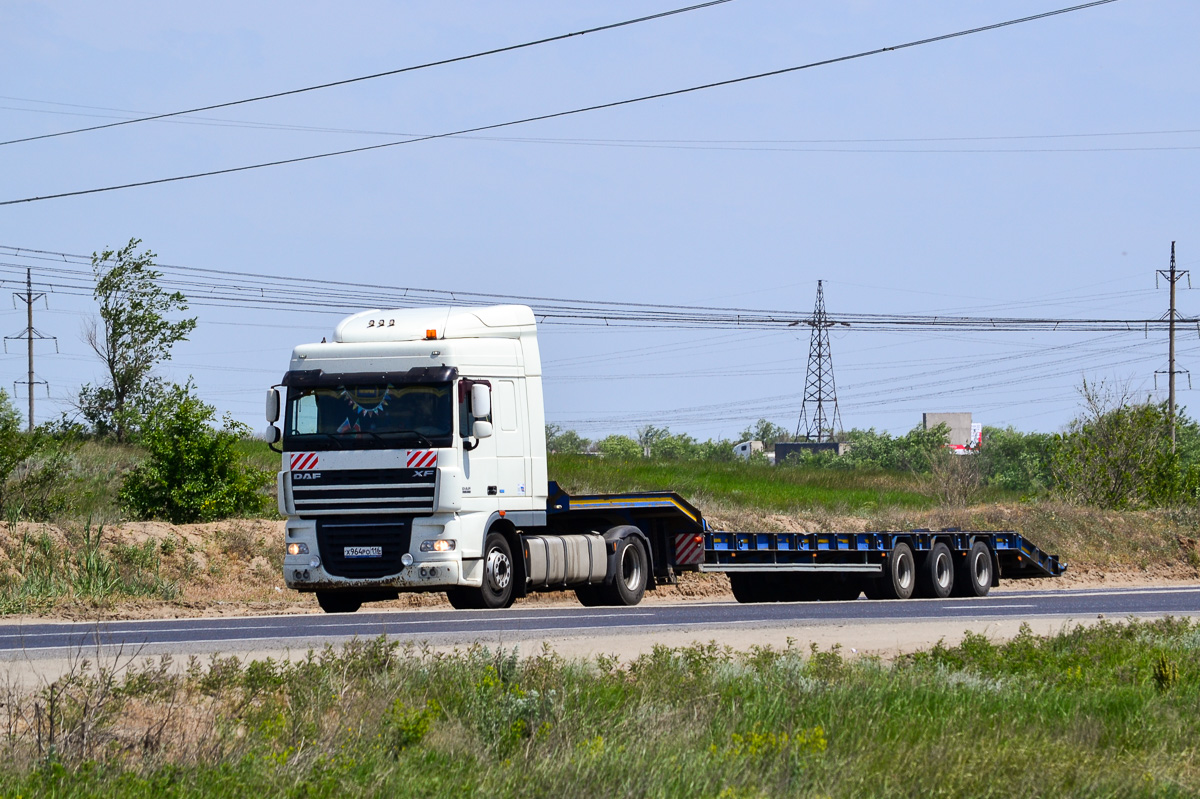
984,606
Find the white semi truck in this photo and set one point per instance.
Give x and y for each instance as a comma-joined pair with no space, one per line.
414,459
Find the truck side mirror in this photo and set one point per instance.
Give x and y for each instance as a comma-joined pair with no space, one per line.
272,405
274,436
482,429
481,403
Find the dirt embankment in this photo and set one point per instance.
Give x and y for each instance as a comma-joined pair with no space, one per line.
159,570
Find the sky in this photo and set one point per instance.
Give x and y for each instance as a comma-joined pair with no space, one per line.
1038,170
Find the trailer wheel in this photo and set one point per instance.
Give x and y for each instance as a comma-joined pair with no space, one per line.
839,588
935,579
747,588
339,601
633,572
899,573
973,573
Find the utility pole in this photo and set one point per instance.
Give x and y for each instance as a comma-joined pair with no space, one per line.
1172,276
819,389
30,333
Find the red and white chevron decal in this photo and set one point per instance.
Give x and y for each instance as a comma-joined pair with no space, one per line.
689,549
422,458
303,460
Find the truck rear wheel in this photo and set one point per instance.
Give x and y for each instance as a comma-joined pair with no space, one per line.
590,596
339,601
632,573
973,573
935,579
899,577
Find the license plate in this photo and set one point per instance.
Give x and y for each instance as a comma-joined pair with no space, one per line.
362,552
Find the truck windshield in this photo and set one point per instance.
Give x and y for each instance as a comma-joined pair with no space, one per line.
368,417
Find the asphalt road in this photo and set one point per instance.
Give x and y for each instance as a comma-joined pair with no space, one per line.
703,619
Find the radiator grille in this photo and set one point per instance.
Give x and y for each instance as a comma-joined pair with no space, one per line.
393,535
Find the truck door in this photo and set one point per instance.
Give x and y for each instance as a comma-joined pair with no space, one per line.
480,484
511,441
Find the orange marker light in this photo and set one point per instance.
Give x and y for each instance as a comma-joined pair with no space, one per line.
431,334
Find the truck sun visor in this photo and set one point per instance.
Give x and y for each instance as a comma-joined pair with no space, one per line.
418,374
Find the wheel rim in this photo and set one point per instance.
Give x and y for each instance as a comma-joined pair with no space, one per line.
499,570
942,569
631,568
981,568
904,570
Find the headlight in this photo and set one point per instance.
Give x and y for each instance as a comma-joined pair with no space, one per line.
297,549
314,563
440,545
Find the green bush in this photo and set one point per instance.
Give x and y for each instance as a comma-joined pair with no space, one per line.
194,472
1017,461
1118,454
619,447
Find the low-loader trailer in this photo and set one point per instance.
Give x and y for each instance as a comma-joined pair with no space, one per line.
414,459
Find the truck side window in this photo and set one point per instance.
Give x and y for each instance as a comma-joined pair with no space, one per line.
304,420
465,418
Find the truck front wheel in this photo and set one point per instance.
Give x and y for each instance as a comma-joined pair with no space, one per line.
498,574
339,601
633,572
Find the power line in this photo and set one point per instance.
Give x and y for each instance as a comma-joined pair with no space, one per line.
571,112
739,145
388,73
220,288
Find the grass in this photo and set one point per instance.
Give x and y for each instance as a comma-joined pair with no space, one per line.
1108,710
758,486
43,571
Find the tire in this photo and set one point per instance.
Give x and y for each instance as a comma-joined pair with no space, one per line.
498,589
935,576
973,573
899,578
499,574
339,601
745,587
464,598
839,588
632,573
591,596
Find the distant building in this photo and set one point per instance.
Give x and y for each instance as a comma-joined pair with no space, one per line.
964,434
784,451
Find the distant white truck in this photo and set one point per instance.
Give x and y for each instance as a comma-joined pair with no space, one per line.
414,459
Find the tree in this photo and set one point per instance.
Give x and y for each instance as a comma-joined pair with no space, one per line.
565,441
131,338
194,472
15,446
767,432
1117,453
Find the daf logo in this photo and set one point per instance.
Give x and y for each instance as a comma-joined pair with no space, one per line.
422,472
305,476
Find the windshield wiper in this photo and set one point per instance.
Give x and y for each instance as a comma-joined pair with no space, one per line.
330,436
421,437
